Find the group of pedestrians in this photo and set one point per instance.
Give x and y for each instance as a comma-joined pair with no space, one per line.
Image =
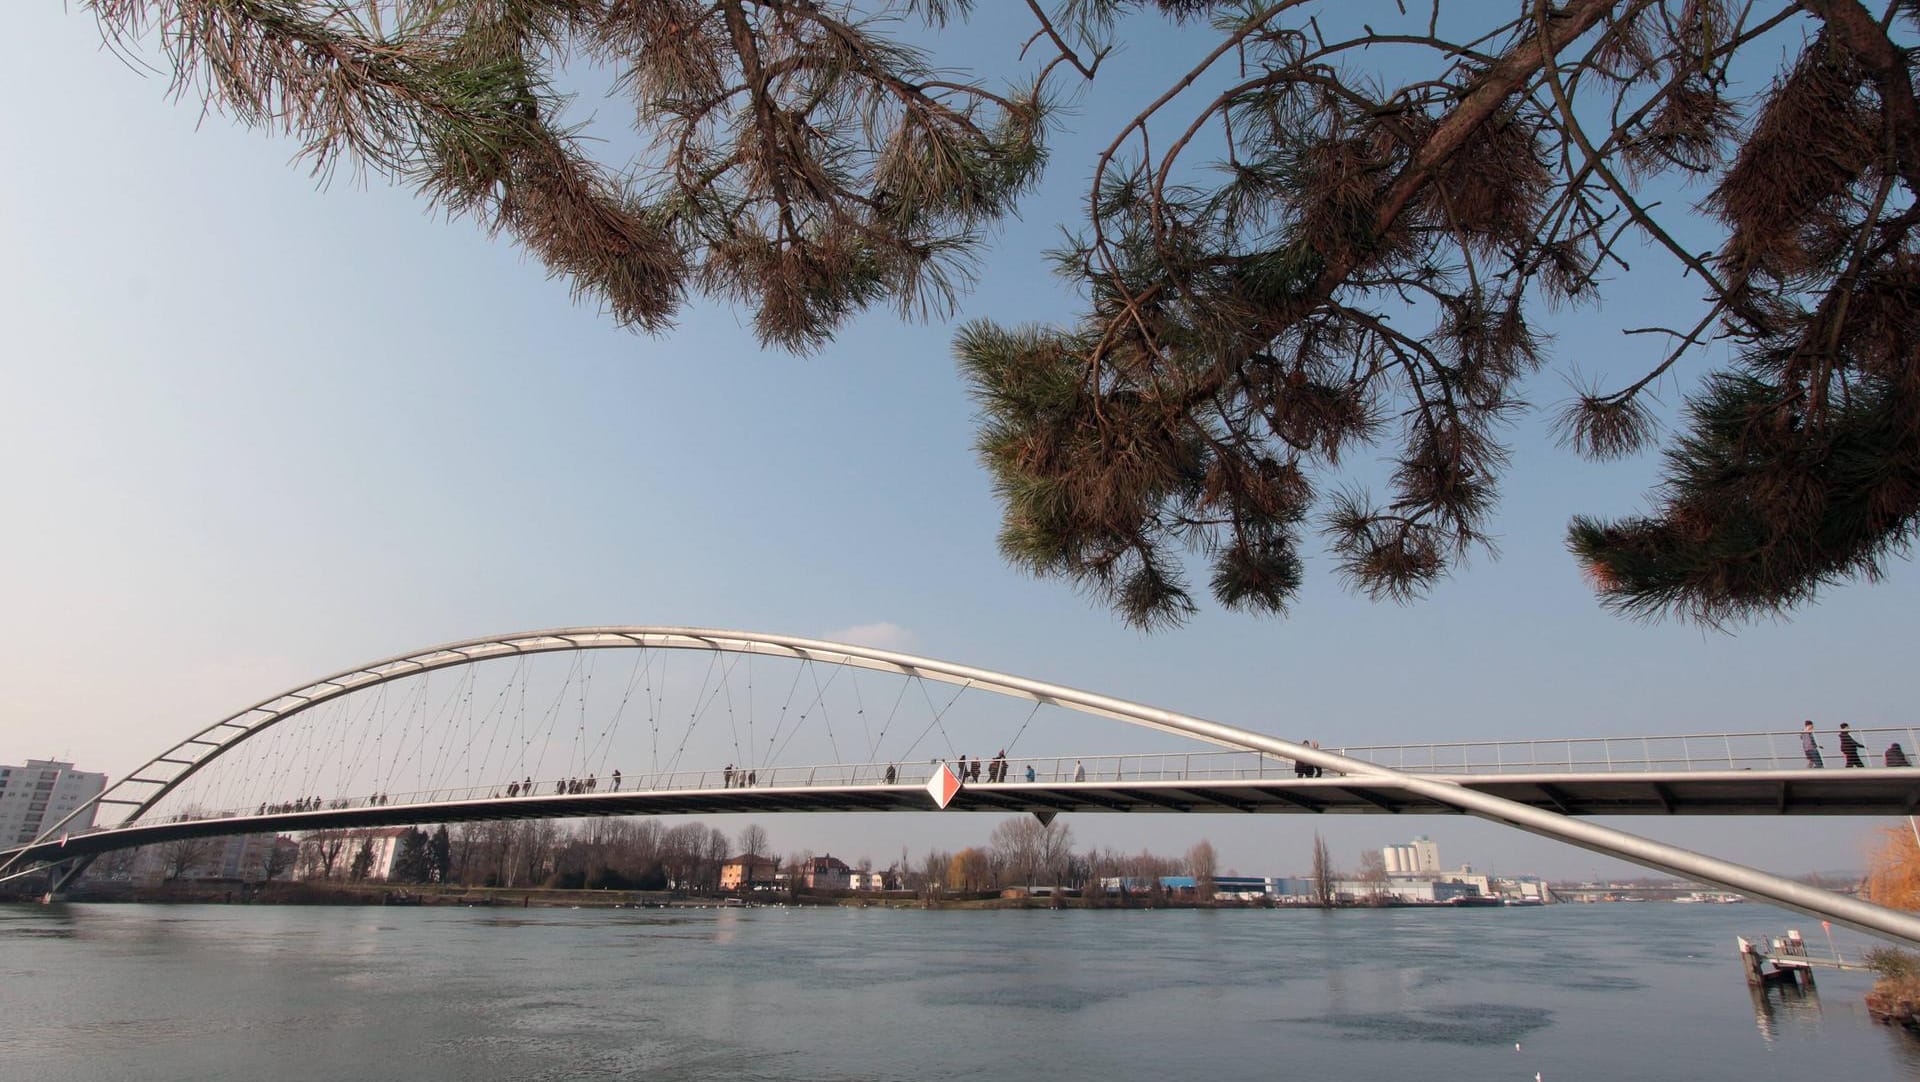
739,779
1850,748
968,770
565,786
306,803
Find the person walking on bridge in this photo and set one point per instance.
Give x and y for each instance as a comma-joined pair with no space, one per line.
1808,747
1849,746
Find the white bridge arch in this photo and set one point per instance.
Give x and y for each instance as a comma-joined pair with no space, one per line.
145,787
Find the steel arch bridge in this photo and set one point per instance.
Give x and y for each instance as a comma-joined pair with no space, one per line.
1249,771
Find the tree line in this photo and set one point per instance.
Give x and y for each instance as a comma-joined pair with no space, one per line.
644,854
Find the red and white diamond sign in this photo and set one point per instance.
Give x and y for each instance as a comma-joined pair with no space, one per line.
943,785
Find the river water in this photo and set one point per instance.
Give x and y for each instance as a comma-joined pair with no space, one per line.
1602,992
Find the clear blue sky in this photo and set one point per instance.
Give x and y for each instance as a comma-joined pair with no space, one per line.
251,432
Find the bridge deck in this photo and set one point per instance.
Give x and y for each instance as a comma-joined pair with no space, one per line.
1746,792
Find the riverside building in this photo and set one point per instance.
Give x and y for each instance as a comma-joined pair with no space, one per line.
1419,857
40,793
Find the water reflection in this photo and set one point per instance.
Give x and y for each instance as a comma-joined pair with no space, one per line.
1790,1003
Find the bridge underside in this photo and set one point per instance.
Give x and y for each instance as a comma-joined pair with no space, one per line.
1850,792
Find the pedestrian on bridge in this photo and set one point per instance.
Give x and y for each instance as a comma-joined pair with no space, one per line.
616,781
1849,746
1896,757
1808,747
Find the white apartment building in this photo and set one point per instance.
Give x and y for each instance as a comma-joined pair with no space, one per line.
1421,856
40,793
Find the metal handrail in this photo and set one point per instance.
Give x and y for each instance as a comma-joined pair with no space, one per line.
1580,755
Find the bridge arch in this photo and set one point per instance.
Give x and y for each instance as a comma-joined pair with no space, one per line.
145,787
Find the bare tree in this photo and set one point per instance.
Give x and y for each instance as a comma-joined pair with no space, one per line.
714,855
1373,873
1202,863
276,858
753,840
1395,201
933,872
799,863
1031,852
469,839
534,844
183,855
1325,891
328,846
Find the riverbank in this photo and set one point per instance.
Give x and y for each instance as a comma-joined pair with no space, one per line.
430,894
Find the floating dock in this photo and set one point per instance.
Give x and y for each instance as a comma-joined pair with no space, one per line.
1789,958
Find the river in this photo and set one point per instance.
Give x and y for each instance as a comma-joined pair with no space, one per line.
1600,992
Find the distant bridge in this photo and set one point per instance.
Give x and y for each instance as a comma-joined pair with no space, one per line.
1540,786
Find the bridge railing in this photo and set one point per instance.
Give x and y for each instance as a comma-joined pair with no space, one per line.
1175,766
1627,754
1596,755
